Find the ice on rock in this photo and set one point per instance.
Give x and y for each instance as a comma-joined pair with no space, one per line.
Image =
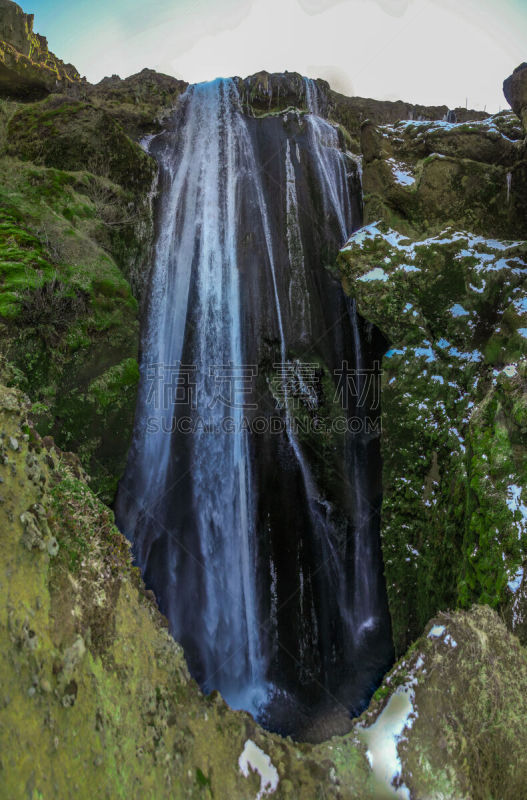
253,758
436,631
375,274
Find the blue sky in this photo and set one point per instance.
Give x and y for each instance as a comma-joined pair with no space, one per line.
424,51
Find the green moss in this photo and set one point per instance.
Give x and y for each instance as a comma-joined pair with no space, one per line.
450,440
72,266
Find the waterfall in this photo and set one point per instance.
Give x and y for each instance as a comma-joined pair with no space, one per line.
312,97
217,514
365,604
196,250
334,185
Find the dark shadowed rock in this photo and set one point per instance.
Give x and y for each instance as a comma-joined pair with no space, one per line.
515,91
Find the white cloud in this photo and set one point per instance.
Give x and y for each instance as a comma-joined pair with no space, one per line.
426,51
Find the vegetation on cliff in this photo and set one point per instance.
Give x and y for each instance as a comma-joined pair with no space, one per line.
75,239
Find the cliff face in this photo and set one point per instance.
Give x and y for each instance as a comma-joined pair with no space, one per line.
441,269
27,68
96,696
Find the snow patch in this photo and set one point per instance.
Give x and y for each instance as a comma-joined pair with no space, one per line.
375,274
457,310
253,758
436,631
516,581
400,172
382,739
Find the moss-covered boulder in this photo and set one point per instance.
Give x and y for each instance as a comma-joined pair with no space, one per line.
421,176
454,308
28,70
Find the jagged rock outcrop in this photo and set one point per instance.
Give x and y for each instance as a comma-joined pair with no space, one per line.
139,102
28,70
97,699
515,91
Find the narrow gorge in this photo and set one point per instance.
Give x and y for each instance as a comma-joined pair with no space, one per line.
253,497
263,437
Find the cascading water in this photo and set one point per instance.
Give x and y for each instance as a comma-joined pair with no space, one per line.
196,258
270,573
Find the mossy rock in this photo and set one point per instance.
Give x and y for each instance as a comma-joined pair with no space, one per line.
72,135
420,176
454,309
67,313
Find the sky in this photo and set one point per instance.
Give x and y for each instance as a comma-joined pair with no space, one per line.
434,52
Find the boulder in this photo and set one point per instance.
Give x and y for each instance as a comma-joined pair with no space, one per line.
515,91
